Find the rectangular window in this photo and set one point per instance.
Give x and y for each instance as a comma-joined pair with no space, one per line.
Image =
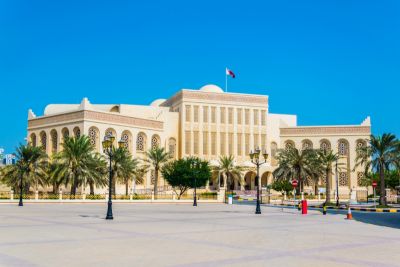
187,142
255,117
247,116
222,143
196,114
239,116
256,141
187,113
196,142
213,143
247,143
205,114
263,117
222,113
213,115
205,143
239,144
263,142
230,144
230,115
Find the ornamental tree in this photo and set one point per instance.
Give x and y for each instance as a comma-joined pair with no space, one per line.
186,173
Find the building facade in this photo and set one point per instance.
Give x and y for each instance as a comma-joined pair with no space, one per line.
207,123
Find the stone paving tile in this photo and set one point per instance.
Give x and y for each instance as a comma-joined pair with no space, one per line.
182,235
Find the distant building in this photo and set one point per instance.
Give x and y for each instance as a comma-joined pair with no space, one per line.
206,123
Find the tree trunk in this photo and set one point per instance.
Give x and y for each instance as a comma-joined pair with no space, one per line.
55,188
126,188
91,186
328,186
316,188
155,182
382,198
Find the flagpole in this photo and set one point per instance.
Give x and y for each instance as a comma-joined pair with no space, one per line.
226,81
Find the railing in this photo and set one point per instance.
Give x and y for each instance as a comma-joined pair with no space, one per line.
67,196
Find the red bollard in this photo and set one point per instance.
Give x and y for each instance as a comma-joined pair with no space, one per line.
304,207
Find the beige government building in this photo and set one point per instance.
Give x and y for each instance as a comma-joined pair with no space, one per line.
205,122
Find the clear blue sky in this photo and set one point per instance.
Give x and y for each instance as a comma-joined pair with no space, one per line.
330,62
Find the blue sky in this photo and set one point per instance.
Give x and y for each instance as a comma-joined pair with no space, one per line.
330,62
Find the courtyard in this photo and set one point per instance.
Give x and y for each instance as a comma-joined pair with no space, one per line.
183,235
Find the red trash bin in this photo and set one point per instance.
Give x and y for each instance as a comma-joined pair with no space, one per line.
304,207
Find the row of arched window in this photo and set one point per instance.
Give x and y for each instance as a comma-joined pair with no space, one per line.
343,145
94,137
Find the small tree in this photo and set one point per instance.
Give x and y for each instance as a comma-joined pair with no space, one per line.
282,186
181,174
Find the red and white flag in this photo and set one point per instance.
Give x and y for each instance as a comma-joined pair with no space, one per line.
230,73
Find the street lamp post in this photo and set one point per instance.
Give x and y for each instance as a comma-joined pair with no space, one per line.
337,184
255,159
109,150
195,186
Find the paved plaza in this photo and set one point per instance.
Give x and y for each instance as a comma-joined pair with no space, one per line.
182,235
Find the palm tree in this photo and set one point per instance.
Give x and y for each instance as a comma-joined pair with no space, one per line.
157,157
327,159
229,170
380,155
98,178
296,164
76,162
123,166
138,176
29,169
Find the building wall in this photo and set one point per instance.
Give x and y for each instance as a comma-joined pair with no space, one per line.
206,123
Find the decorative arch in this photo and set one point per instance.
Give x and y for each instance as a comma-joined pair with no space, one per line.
126,136
141,140
94,137
249,180
265,178
155,141
43,140
343,147
289,144
306,144
32,139
115,109
77,131
325,145
54,141
172,147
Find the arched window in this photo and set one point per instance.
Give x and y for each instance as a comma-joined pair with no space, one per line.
306,144
343,148
54,141
155,141
172,147
77,132
141,142
43,140
325,145
94,137
360,178
127,138
33,140
343,179
360,144
64,134
289,145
